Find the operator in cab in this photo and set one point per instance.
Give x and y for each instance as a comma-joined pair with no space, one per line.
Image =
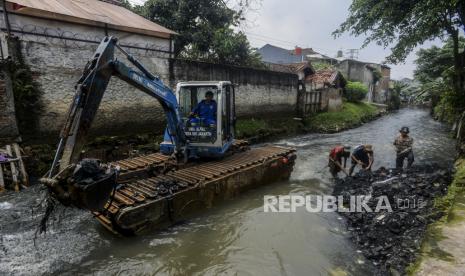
205,111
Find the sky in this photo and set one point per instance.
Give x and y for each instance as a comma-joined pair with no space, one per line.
309,23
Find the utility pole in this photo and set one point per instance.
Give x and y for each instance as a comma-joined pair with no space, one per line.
352,53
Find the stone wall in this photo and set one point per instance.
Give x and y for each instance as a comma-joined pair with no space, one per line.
8,125
57,62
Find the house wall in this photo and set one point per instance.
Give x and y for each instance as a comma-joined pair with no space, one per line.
354,70
333,99
381,94
57,61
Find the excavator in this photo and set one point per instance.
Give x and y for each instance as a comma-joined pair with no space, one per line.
200,161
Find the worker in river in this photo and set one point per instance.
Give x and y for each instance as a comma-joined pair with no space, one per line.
363,156
335,159
205,111
403,144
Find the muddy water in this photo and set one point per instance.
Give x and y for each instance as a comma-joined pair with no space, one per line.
235,238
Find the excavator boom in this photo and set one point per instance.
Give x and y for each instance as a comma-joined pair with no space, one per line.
89,92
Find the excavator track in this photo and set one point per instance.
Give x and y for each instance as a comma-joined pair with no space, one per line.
147,202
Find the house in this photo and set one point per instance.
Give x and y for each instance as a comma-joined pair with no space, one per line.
375,76
326,86
273,54
56,38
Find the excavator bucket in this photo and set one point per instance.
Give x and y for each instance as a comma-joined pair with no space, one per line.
89,92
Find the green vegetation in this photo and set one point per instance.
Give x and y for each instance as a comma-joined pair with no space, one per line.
206,29
318,65
435,73
394,97
407,24
355,91
351,115
26,91
403,25
259,130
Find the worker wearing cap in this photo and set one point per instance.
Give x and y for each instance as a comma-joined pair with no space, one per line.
205,111
403,144
363,156
335,159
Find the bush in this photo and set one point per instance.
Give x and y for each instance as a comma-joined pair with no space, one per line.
355,91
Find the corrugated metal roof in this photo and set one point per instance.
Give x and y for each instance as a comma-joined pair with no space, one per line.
89,12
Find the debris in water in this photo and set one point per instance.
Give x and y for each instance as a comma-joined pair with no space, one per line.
5,205
390,239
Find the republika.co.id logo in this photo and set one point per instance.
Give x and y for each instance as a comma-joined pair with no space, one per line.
329,203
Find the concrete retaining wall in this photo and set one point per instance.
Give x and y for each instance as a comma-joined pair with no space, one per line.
258,92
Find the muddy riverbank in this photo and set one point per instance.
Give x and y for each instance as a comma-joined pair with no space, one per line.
237,237
399,207
254,130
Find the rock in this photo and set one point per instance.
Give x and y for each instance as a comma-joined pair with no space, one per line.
390,239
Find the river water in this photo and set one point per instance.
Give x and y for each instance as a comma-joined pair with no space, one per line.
235,238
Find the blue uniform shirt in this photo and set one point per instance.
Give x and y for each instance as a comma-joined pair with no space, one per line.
206,111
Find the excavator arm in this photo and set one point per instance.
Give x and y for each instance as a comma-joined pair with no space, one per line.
89,92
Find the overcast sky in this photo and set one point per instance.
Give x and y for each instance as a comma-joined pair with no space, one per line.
309,23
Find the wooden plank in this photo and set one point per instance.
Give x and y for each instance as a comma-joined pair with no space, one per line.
14,173
22,168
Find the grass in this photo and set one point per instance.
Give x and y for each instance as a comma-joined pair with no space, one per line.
351,115
259,130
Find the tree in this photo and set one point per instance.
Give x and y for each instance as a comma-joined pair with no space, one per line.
407,24
394,96
435,62
205,29
355,91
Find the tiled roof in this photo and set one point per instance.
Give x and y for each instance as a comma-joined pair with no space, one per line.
296,67
326,76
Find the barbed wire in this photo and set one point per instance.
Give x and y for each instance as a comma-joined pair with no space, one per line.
70,39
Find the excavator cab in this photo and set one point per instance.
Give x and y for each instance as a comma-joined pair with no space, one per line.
208,114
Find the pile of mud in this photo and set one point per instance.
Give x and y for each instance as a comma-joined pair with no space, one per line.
391,240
